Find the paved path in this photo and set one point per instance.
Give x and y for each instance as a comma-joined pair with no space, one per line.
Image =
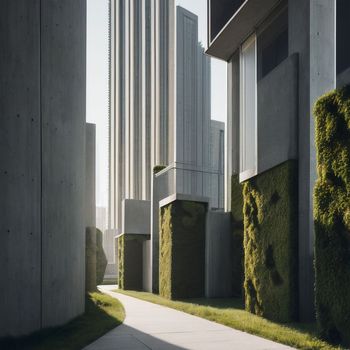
149,326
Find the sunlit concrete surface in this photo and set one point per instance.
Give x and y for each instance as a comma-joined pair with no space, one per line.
150,326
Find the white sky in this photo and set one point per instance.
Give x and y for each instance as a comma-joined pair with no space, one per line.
97,81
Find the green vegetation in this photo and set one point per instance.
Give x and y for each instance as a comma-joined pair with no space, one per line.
230,312
237,231
332,215
101,259
90,259
270,243
102,313
130,262
182,249
158,168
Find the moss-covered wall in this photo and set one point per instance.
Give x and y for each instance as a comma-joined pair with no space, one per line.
270,243
101,259
237,235
90,259
332,215
130,260
158,168
182,250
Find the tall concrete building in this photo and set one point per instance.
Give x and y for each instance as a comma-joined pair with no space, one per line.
160,113
140,97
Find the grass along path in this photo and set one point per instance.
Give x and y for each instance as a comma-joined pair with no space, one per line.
102,313
231,313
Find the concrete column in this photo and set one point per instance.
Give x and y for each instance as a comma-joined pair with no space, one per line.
63,89
42,94
232,127
311,34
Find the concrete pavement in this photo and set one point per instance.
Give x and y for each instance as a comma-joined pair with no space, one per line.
149,326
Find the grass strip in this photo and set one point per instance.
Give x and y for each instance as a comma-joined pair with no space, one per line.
102,313
231,313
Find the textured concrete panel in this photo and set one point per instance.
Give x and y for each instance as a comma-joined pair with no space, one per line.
277,115
20,229
136,217
219,259
63,56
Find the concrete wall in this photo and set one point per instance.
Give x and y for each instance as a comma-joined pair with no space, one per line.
90,175
277,115
20,175
219,258
43,163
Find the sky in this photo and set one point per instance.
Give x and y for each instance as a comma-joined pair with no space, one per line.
97,81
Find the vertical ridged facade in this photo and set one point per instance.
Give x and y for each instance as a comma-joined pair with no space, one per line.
140,46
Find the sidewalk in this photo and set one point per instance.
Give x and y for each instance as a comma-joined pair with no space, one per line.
149,326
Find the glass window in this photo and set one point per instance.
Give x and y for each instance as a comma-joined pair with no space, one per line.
273,45
343,28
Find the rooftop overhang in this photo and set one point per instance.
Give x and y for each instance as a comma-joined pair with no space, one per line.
239,27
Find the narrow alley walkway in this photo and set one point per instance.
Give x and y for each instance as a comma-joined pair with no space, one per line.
149,326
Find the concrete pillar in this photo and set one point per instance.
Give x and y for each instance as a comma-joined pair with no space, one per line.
311,34
43,130
232,127
182,247
218,255
63,89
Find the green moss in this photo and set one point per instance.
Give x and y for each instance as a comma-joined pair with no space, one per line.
90,259
130,262
101,259
270,243
237,231
121,262
158,168
182,250
332,214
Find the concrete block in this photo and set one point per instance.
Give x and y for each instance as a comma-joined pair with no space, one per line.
136,218
219,259
130,258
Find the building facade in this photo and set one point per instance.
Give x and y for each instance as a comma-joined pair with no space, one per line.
160,116
281,55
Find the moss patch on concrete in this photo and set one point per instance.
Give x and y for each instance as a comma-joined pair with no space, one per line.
182,250
332,215
130,256
270,243
90,259
237,235
101,259
158,168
